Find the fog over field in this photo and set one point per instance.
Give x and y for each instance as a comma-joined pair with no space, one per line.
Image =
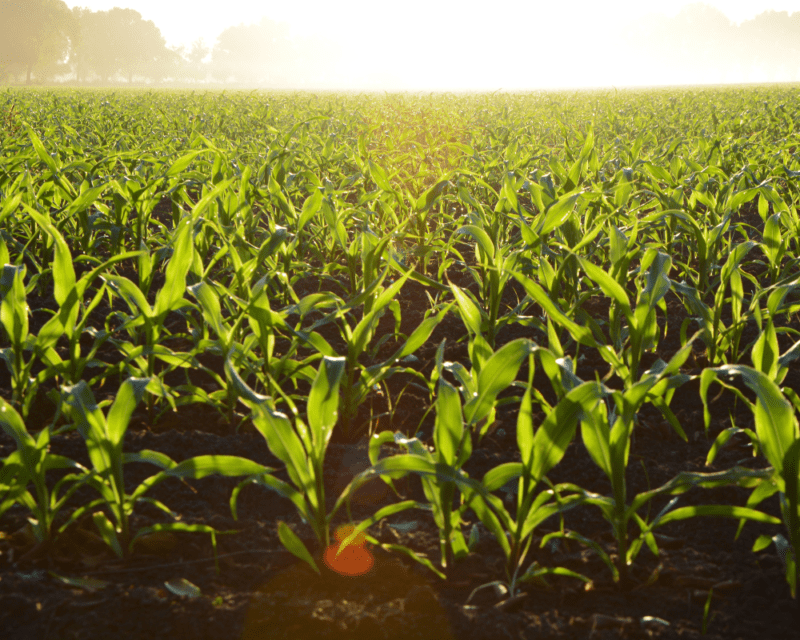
423,44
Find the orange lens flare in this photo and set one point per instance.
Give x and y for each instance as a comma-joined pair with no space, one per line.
354,560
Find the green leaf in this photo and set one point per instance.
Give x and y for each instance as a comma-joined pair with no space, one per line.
717,510
107,532
542,298
496,374
284,444
449,428
323,401
379,515
295,546
525,429
38,147
9,206
556,214
182,587
608,285
761,543
129,395
765,353
63,271
14,305
213,194
212,312
556,431
482,238
469,311
420,335
181,163
379,176
427,199
175,281
311,207
84,200
132,295
776,422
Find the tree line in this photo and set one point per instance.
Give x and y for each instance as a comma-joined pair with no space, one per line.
701,44
43,40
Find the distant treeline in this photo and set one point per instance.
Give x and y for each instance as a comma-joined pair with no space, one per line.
45,41
701,42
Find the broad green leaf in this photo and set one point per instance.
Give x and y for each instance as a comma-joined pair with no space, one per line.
469,311
765,353
179,166
379,176
132,295
541,297
496,374
129,395
449,428
212,195
717,510
209,301
323,401
311,207
107,532
63,271
427,199
284,444
295,546
556,431
609,286
175,280
14,304
557,214
482,238
525,430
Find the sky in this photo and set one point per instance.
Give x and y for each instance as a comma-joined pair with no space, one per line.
446,43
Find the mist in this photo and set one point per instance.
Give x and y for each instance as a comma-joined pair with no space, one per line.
416,46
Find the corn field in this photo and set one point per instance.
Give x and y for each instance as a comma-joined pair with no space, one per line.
405,365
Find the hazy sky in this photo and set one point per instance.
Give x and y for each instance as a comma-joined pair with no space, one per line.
444,43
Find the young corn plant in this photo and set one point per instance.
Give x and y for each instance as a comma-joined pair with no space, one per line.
361,379
777,436
607,437
452,440
302,449
145,324
540,451
641,331
28,465
104,436
496,263
14,316
72,318
452,444
722,342
491,372
441,473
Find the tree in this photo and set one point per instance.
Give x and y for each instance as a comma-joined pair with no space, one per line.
193,67
120,41
34,36
771,42
257,53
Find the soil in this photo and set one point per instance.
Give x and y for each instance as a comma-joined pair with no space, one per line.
251,588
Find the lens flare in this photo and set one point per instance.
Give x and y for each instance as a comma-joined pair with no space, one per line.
354,560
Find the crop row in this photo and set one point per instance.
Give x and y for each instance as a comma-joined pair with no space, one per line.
284,260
